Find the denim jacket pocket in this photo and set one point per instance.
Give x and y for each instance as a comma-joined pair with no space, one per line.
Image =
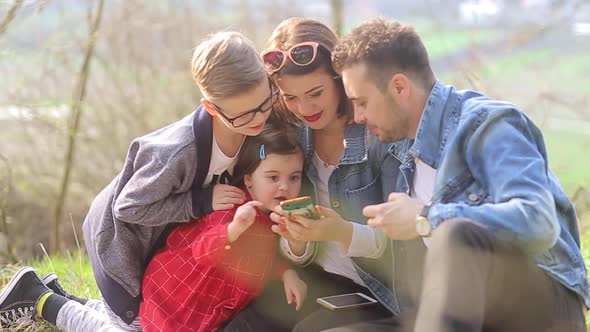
471,193
357,199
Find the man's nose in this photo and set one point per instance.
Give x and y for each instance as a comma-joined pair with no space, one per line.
359,116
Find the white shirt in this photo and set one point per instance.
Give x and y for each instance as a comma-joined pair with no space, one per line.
423,187
221,167
366,241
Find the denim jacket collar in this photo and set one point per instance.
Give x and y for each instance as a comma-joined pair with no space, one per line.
356,139
441,114
400,150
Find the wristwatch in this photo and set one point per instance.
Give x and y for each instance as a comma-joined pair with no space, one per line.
423,227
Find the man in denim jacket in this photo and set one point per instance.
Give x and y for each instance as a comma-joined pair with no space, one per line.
503,248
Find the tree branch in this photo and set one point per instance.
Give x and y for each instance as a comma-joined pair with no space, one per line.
5,193
10,15
79,94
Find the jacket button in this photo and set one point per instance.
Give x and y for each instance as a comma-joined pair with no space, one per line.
129,314
473,197
227,247
335,204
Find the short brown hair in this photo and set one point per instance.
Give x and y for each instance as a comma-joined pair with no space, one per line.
296,30
277,138
226,64
385,47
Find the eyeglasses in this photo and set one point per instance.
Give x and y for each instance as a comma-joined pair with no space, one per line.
246,117
301,54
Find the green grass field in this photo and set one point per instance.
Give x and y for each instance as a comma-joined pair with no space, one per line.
567,158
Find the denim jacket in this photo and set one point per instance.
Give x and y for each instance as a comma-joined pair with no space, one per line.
365,175
492,168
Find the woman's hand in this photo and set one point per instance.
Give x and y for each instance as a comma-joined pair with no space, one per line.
330,227
226,196
296,247
243,219
295,288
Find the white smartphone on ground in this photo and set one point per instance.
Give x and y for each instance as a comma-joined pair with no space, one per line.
346,301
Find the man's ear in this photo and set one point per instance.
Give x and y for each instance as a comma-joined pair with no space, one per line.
399,86
209,107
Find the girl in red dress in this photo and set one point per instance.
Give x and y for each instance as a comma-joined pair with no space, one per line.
213,267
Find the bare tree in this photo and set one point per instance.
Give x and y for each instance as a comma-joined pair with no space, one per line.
79,94
4,194
10,15
337,20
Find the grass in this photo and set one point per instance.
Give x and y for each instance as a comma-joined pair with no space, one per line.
75,275
74,271
567,158
567,73
448,42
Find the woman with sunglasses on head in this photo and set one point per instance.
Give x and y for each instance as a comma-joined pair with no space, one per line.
344,163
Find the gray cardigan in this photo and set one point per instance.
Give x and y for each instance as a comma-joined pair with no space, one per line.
160,185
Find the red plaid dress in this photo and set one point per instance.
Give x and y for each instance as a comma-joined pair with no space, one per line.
199,280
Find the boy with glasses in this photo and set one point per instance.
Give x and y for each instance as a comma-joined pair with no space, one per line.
172,175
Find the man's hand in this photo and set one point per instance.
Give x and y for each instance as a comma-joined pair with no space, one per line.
243,219
396,217
295,288
226,196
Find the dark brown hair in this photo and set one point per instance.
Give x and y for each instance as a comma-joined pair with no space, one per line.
296,30
277,138
386,47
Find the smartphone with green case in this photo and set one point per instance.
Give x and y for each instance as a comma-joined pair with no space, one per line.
300,206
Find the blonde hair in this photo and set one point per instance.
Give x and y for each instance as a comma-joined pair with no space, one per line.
226,64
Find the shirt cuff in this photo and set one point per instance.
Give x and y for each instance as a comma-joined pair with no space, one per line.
440,212
365,242
302,259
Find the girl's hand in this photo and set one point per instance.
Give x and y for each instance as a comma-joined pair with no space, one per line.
295,288
330,227
226,196
243,219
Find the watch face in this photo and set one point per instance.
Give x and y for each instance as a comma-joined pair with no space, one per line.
423,226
